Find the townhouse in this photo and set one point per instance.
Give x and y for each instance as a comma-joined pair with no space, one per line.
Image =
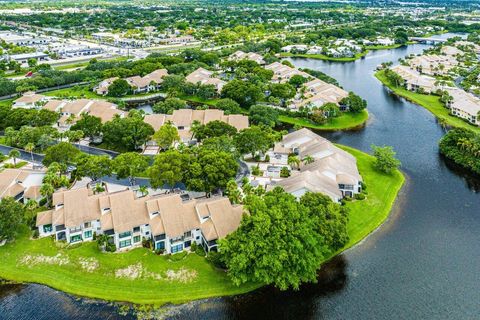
21,184
282,73
184,118
433,64
316,93
145,84
240,55
414,80
71,110
203,76
333,171
30,100
464,105
171,223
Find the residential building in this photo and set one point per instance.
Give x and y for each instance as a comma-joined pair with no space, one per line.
433,64
240,55
171,223
30,100
317,93
20,184
414,81
282,73
464,105
205,77
333,171
149,82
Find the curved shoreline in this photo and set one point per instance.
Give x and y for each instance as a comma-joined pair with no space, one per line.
366,216
360,121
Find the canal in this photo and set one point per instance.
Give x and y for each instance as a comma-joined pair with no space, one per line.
422,264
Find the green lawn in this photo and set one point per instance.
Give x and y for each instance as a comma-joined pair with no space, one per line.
7,102
367,215
46,262
430,102
74,92
324,57
196,99
346,121
381,47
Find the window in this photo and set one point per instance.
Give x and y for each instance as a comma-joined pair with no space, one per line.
87,225
125,243
136,239
177,248
75,238
87,234
47,228
188,234
160,245
125,234
188,244
136,229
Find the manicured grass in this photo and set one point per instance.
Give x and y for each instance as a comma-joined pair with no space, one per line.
101,282
196,99
430,102
324,57
7,102
74,92
381,47
19,165
367,215
346,121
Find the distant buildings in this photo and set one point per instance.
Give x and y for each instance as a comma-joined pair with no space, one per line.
22,185
205,77
149,82
171,223
30,100
240,55
282,73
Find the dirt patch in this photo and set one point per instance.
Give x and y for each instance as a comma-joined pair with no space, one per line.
183,275
138,271
131,272
89,264
32,260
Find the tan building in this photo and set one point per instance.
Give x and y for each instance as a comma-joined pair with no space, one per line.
205,77
22,185
464,105
240,55
283,73
171,223
30,100
333,171
318,92
414,80
151,81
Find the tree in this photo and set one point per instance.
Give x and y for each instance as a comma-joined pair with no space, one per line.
210,170
214,128
353,102
29,148
62,153
283,91
278,243
129,165
91,126
119,88
293,161
169,105
166,136
74,135
32,62
252,140
143,190
207,91
47,190
243,92
331,110
233,192
308,159
297,80
263,115
229,106
93,167
127,133
14,154
168,168
385,160
332,219
11,218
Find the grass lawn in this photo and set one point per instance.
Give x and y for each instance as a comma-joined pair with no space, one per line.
7,102
348,120
382,47
196,99
74,92
430,102
324,57
367,215
85,271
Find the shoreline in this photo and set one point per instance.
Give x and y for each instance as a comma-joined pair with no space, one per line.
357,121
365,218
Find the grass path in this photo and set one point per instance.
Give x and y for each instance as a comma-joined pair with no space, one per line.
430,102
346,121
46,262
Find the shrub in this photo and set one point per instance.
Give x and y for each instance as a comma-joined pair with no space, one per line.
267,158
256,170
178,256
160,251
347,199
215,258
359,196
284,172
147,244
35,234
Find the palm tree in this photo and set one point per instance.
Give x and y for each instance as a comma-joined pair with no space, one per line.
14,153
293,161
29,148
308,159
98,188
143,190
47,191
31,204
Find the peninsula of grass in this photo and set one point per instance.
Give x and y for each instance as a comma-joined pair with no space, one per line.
346,121
324,57
430,102
142,277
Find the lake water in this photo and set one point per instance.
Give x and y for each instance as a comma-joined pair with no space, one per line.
424,263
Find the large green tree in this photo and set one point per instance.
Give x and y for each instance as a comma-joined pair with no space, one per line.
265,115
94,167
11,218
166,136
62,153
119,88
243,92
214,128
385,159
252,140
169,168
128,133
278,243
91,126
129,165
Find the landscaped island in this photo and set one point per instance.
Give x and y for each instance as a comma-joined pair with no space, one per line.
140,276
